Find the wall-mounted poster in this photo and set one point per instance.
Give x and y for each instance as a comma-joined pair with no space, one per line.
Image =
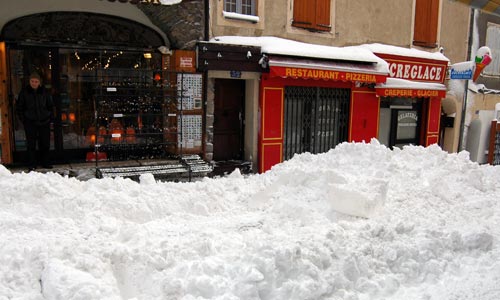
189,91
190,131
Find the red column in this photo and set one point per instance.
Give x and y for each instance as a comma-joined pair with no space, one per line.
364,116
271,127
433,120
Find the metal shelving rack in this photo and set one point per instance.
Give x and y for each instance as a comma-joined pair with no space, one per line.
139,116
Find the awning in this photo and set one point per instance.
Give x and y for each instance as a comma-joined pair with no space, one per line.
489,6
286,67
395,87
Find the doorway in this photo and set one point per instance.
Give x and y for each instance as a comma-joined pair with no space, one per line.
229,119
400,121
316,119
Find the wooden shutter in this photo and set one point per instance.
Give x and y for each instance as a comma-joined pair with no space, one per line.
426,23
303,13
312,14
323,15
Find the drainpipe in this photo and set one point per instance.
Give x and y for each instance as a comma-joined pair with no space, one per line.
207,19
466,88
205,75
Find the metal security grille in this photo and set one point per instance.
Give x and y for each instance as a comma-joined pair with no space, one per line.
316,119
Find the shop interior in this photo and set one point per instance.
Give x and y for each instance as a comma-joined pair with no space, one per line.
116,103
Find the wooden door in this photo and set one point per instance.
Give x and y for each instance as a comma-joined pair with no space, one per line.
5,146
229,119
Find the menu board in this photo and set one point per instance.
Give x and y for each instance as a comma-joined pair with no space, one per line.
189,91
190,131
496,150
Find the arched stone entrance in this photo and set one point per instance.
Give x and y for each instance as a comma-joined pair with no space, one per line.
80,29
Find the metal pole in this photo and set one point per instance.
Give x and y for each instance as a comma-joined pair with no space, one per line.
466,88
462,118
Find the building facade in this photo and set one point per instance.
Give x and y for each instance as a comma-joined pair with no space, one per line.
482,97
122,75
434,33
236,101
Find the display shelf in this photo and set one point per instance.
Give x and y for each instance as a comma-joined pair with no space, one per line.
131,114
147,114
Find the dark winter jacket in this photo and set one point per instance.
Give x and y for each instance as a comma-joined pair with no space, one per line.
34,105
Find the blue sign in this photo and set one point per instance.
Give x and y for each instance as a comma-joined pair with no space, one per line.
454,74
462,71
235,74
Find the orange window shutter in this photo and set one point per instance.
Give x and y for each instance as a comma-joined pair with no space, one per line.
323,15
303,13
426,23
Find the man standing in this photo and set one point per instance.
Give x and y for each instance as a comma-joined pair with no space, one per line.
34,107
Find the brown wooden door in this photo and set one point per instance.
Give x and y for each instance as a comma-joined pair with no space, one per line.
229,119
5,146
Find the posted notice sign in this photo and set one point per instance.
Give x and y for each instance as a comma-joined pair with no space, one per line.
463,70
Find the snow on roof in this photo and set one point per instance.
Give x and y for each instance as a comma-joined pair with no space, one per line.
329,65
280,46
408,84
481,88
395,50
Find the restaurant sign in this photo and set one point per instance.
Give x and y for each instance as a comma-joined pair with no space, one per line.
306,73
415,69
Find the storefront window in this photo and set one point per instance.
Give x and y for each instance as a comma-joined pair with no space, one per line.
316,119
407,124
75,79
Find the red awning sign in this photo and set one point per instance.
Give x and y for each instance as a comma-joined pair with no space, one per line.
306,73
286,67
410,93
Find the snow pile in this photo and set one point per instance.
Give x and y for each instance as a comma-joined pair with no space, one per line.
429,229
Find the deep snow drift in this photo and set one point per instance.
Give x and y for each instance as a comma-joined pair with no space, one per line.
358,222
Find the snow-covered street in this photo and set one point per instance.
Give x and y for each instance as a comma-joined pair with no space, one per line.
359,222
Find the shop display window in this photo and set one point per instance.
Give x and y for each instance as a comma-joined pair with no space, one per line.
122,103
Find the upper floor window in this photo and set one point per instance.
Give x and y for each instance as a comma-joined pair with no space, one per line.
426,23
244,7
312,14
493,42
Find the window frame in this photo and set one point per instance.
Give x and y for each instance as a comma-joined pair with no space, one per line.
238,4
494,44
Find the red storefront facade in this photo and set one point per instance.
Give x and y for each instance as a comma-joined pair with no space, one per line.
417,80
402,107
351,82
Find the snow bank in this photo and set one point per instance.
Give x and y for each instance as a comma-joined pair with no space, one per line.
292,233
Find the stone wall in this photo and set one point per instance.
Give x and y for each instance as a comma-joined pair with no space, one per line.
183,23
